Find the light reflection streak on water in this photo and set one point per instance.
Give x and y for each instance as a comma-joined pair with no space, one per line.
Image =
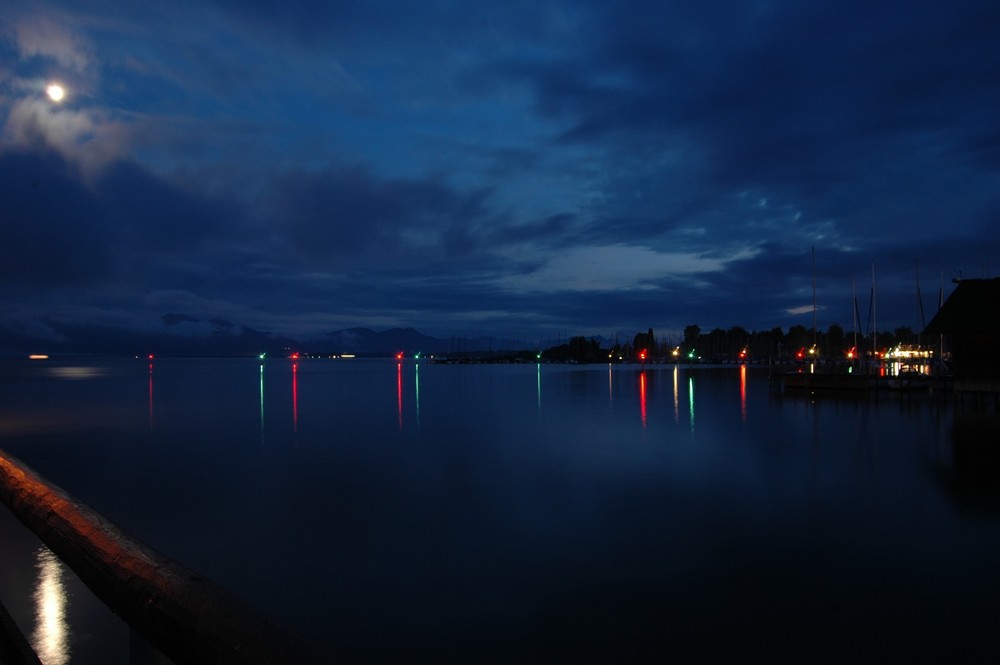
677,399
691,399
642,397
150,397
611,395
897,367
416,390
75,373
743,391
262,402
51,637
295,397
538,381
399,393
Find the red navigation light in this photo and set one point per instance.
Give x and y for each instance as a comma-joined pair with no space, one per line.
399,356
294,356
850,354
801,353
642,355
743,354
150,356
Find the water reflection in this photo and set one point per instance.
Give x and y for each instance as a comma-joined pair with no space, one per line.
975,475
76,373
849,478
691,399
743,392
677,399
150,396
51,637
262,401
416,390
295,397
899,368
399,393
538,382
642,396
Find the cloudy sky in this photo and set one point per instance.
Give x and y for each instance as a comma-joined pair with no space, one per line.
512,168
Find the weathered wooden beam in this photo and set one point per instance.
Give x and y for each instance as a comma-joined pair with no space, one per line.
187,617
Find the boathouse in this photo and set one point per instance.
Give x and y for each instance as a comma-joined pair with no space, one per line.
969,322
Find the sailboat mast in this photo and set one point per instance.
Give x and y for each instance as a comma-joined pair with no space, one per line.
874,325
854,298
941,335
814,296
920,303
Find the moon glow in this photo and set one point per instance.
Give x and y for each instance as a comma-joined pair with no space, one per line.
55,92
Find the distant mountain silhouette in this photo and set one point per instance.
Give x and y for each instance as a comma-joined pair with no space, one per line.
184,335
369,342
181,335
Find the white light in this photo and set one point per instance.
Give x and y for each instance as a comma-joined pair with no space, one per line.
55,92
51,637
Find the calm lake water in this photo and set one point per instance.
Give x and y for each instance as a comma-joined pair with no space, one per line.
519,513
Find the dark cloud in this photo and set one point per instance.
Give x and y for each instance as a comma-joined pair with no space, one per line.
150,214
351,214
174,318
803,97
52,233
386,27
985,148
60,229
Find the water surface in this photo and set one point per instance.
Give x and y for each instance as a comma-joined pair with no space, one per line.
540,513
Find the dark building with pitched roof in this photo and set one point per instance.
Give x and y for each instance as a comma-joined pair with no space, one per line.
970,323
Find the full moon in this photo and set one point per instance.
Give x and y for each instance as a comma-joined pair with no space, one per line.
55,92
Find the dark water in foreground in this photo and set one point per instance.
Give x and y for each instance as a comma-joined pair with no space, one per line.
520,513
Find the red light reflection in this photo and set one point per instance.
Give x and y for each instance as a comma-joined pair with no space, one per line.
399,392
150,396
642,397
743,391
295,397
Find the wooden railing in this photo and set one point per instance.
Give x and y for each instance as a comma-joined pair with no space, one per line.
187,617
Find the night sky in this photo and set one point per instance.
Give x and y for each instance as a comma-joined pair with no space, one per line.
514,168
